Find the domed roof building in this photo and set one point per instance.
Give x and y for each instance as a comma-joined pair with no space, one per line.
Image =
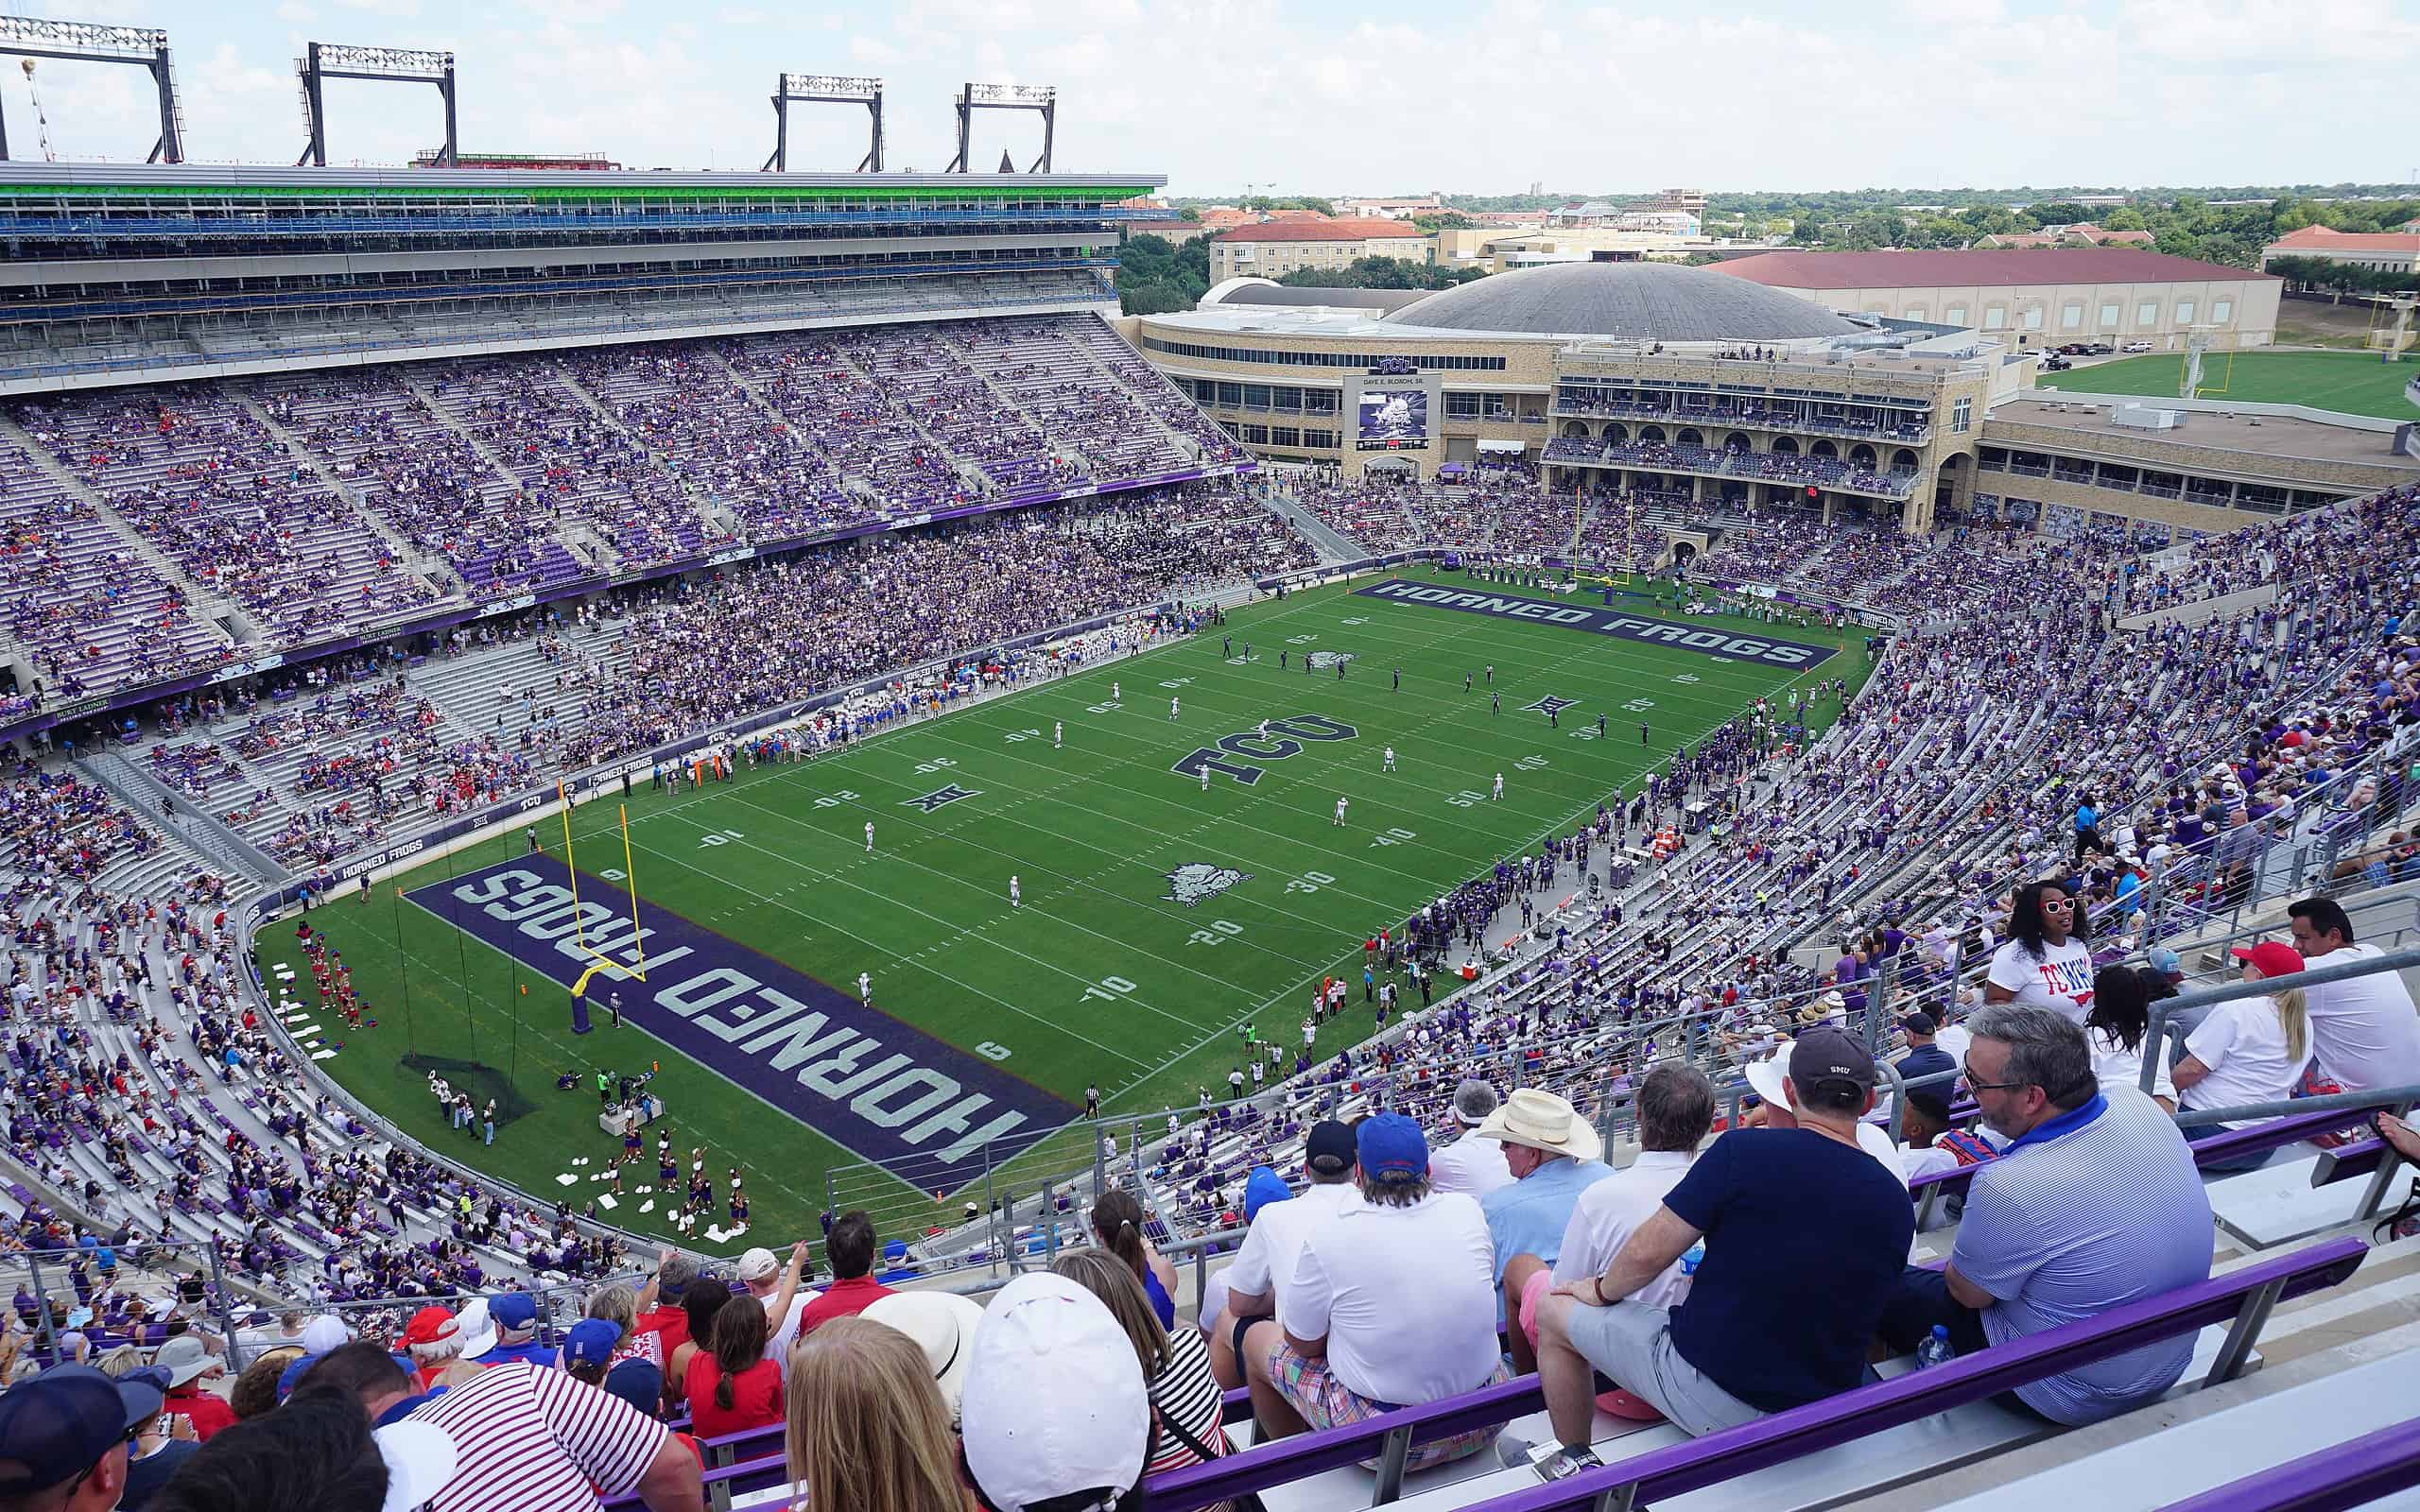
1629,302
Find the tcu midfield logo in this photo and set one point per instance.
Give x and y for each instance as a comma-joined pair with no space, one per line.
1285,738
1196,880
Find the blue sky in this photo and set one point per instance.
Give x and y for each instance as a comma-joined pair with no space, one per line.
1303,97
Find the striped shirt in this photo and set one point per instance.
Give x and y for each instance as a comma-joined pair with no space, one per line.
1184,1392
2081,1215
531,1440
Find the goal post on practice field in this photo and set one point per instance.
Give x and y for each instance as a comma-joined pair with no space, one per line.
598,960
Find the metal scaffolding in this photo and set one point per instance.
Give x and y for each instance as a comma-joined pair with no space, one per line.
1042,99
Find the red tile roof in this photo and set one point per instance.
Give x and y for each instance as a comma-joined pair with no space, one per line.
1325,231
2318,238
1977,268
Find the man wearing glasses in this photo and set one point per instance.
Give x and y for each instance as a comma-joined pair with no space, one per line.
2094,1204
63,1439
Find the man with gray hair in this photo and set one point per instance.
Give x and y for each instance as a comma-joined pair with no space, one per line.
1471,1164
2094,1204
1675,1107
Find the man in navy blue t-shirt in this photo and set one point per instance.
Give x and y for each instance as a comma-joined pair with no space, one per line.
1804,1237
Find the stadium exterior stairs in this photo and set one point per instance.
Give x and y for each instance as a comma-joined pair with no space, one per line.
207,605
145,794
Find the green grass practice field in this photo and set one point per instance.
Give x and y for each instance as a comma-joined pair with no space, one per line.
2350,383
1101,975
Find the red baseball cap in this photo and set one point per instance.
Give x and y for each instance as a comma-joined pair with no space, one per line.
428,1325
2271,958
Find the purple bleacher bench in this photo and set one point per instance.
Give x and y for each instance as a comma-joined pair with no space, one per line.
2242,1298
2350,1475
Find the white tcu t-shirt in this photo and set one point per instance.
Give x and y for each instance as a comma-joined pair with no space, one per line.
1405,1296
2244,1046
2366,1031
1609,1212
2061,978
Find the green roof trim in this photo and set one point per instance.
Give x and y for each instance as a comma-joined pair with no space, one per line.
573,191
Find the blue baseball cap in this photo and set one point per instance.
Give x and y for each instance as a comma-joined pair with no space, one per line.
514,1309
1390,1148
65,1421
1263,1186
591,1340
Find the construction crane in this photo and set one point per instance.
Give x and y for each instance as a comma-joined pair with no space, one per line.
41,121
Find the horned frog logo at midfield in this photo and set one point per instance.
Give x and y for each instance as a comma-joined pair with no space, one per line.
1196,880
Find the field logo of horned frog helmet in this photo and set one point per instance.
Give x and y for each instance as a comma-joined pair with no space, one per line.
1196,880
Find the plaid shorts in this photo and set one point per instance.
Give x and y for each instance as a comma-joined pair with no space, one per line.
1325,1401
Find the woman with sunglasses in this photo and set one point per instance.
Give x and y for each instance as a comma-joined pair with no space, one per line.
2046,963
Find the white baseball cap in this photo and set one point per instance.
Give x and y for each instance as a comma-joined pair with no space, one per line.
1054,1403
475,1329
421,1461
758,1264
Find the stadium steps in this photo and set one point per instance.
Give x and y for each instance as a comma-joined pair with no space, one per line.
418,384
1332,544
710,508
427,566
206,605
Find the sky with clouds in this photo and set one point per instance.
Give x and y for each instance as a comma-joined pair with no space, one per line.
1327,96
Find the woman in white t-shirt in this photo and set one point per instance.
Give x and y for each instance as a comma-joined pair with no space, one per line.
2046,963
2250,1049
2115,1029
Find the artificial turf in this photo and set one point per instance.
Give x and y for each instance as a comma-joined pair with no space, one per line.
1100,976
2348,383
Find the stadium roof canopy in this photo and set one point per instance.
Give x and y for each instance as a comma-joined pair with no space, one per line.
1640,302
1980,268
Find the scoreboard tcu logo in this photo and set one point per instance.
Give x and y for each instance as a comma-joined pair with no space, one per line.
1285,738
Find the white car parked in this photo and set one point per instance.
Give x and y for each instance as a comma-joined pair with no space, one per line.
2136,346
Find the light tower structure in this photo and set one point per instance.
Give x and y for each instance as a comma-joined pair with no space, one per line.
1042,99
823,89
85,43
323,61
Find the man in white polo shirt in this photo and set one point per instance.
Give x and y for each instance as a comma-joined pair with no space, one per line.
1470,1164
2365,1031
1392,1305
1263,1266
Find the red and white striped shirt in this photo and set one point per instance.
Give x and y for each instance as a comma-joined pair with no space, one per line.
533,1439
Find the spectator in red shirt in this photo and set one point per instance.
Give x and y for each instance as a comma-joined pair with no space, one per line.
732,1387
659,1310
851,1248
702,1302
188,1363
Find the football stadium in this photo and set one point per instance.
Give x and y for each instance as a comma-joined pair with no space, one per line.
689,839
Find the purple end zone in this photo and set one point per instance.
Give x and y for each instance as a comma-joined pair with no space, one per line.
1764,650
929,1113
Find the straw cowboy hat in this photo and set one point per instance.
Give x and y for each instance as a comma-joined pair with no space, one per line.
1542,1121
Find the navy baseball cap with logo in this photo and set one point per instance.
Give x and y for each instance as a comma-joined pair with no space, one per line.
1830,1052
65,1421
1328,1149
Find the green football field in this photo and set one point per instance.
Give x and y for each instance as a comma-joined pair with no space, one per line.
2348,383
1100,976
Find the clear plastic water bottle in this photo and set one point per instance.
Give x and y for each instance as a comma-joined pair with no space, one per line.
1935,1350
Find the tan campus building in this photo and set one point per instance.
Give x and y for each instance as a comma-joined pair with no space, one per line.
2034,297
2385,251
1701,398
1274,248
